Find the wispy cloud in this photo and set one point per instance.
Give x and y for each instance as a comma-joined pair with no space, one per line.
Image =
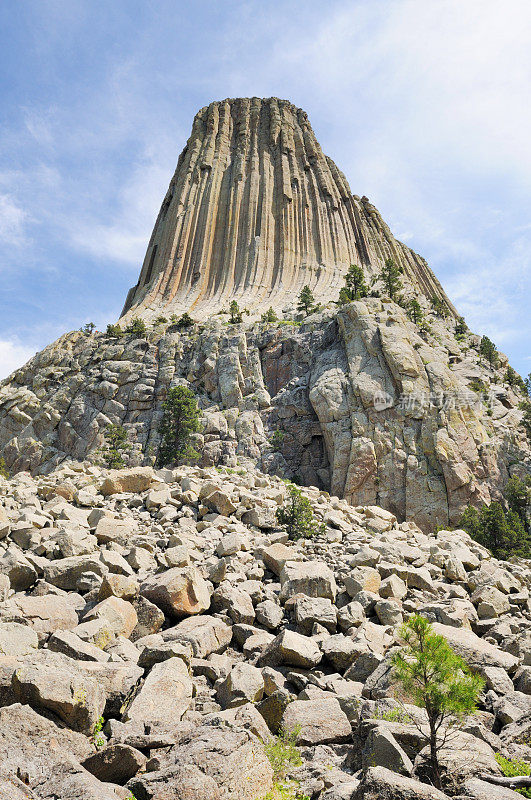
12,222
12,356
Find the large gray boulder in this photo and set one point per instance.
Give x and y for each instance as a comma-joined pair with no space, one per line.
178,592
317,721
164,696
476,651
47,758
52,682
313,578
216,761
293,649
205,633
380,783
381,749
243,684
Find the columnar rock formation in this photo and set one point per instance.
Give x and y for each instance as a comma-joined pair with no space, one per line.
360,401
254,212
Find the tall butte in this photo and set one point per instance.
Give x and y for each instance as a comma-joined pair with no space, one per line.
255,211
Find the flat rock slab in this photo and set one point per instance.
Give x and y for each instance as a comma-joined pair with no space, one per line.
477,789
164,696
317,721
380,783
216,761
475,651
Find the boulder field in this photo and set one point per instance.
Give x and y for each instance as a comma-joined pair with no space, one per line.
158,629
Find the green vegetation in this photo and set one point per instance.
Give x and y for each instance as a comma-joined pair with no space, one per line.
518,497
277,440
180,419
137,327
296,515
513,378
4,472
390,276
235,313
160,321
114,331
487,349
514,769
269,315
461,328
286,791
88,328
306,302
97,736
283,753
477,385
395,715
436,679
502,532
184,321
414,312
439,307
355,287
115,447
525,406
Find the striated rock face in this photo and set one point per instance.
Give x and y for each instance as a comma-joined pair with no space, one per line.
367,408
254,212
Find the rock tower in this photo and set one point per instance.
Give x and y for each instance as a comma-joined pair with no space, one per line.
254,212
362,401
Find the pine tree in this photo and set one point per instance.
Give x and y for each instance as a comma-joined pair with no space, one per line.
296,515
137,327
501,532
184,321
461,327
269,315
438,680
439,306
518,496
355,284
390,276
114,331
414,312
88,328
511,377
488,350
306,300
180,419
235,313
115,447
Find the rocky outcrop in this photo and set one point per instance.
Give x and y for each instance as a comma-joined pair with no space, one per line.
295,635
254,212
367,406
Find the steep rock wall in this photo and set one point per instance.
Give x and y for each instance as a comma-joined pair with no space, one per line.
339,388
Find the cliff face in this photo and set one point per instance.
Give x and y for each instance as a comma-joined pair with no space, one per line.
358,401
254,212
366,407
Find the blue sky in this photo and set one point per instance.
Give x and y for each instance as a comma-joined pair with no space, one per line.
423,105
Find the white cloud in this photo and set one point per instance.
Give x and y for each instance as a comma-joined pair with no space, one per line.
13,356
124,238
12,219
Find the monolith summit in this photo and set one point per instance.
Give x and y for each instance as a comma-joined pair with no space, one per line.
254,212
